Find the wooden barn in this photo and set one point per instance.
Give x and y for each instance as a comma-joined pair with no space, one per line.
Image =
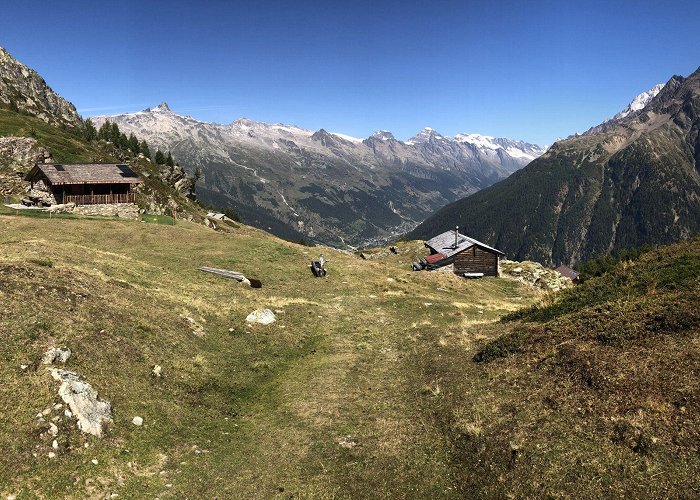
567,272
84,184
470,257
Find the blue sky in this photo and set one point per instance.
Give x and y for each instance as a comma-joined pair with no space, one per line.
528,70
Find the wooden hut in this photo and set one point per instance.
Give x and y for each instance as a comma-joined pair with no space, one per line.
469,257
567,272
85,184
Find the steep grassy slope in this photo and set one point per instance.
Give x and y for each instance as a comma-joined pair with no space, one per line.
327,402
632,182
593,394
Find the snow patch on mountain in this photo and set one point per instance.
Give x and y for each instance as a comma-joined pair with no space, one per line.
354,140
639,102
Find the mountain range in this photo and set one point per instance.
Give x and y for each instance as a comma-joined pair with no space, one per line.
633,180
325,186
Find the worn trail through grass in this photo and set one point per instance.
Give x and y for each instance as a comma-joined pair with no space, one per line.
327,402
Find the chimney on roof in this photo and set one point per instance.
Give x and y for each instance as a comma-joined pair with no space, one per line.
456,236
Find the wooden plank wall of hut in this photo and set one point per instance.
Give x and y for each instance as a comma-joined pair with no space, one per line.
476,260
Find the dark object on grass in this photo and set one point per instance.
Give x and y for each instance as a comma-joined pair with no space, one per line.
419,265
318,269
393,250
233,275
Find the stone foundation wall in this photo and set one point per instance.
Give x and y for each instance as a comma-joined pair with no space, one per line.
123,210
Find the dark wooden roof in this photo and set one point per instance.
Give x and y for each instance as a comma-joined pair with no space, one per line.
567,272
445,244
85,173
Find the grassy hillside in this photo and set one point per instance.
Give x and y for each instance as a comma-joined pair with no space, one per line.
65,146
592,394
330,401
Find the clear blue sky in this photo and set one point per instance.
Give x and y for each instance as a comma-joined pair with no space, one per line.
532,70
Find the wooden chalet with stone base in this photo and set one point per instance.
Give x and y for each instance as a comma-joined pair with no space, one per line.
82,184
469,257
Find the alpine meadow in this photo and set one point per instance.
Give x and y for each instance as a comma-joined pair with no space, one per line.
399,250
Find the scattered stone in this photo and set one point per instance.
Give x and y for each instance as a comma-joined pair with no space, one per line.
54,445
94,461
57,406
261,316
92,413
137,421
68,413
197,329
346,442
46,412
157,371
52,454
56,355
23,367
53,429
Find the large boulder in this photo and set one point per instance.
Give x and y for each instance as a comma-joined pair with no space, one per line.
261,316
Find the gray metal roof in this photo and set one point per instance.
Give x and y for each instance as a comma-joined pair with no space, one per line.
95,173
445,244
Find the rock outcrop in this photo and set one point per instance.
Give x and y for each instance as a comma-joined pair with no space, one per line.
56,355
17,156
92,413
534,274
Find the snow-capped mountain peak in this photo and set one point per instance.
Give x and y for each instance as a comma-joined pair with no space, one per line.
383,135
478,140
640,101
426,135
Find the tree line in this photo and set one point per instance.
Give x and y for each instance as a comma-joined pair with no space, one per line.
110,132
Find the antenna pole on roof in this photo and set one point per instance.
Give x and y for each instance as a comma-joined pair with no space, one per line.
456,236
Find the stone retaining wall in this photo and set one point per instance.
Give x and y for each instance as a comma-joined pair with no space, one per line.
123,210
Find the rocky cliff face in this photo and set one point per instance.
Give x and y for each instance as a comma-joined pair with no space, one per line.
322,185
17,156
23,90
633,181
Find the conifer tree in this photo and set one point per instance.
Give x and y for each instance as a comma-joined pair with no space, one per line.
90,133
134,144
145,149
114,134
160,157
169,160
105,131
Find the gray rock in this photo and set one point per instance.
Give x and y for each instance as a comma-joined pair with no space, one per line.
56,355
92,413
261,316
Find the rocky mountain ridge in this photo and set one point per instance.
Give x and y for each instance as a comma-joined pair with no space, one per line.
630,181
326,186
24,90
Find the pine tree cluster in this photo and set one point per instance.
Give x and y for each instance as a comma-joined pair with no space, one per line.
110,132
